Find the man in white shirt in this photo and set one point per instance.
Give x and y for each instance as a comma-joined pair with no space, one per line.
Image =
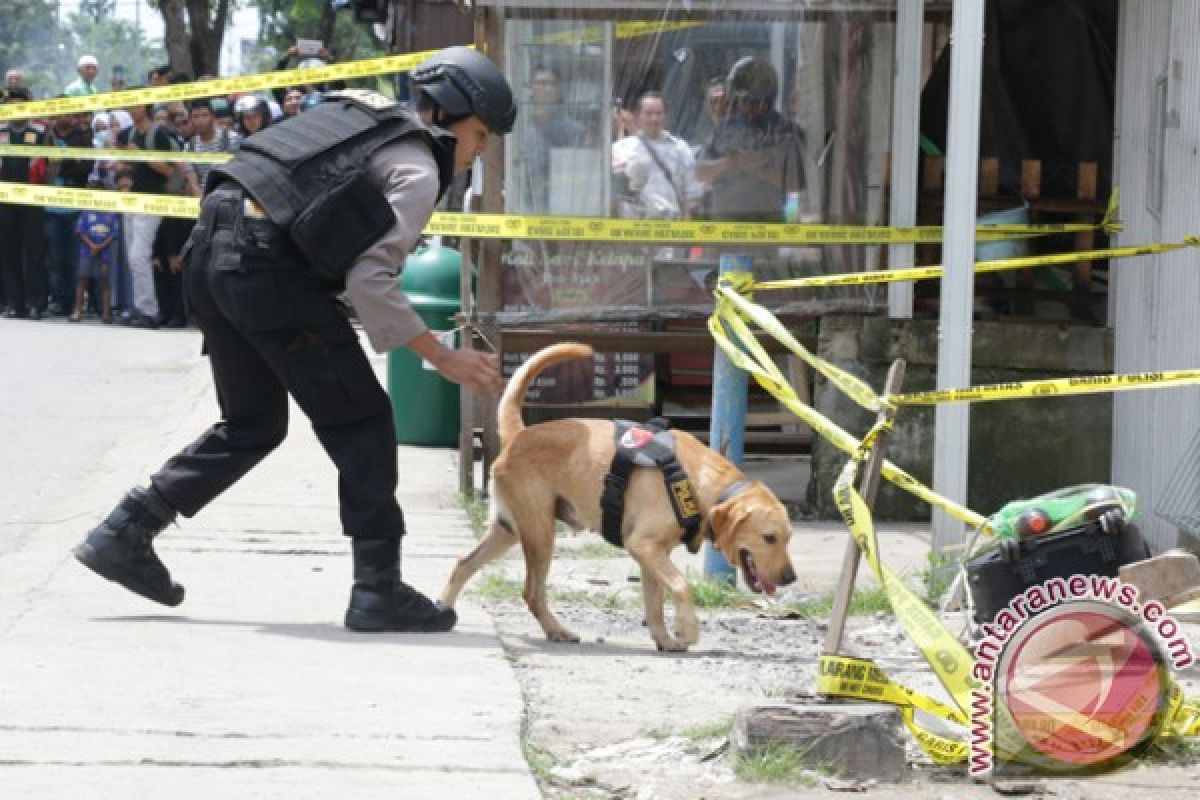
657,168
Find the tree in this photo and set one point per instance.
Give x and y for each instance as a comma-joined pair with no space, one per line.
97,10
31,41
112,42
285,21
194,30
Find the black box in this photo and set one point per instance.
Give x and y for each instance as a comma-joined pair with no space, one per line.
999,575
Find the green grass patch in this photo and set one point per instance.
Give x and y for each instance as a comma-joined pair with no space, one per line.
718,593
773,763
477,511
862,602
609,600
497,588
539,761
1181,751
718,729
935,578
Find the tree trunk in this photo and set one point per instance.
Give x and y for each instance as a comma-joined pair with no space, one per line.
207,34
325,27
176,36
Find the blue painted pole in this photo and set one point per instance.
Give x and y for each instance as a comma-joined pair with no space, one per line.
727,434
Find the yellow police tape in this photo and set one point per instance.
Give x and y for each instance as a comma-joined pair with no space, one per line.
1053,387
759,364
594,34
365,68
510,226
703,232
111,154
998,265
862,679
854,678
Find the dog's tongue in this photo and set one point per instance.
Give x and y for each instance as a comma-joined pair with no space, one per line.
767,587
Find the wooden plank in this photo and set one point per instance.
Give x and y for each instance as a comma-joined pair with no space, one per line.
1031,179
868,488
527,340
933,174
989,176
1089,177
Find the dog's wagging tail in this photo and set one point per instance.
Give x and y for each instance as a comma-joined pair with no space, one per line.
508,412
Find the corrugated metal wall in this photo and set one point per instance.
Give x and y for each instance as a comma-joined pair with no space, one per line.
1156,300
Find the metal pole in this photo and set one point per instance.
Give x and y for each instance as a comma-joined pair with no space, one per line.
952,421
727,431
868,487
906,107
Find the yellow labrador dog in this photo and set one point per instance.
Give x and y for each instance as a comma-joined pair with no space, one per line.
556,470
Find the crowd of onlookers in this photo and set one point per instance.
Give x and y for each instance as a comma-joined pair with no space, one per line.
122,268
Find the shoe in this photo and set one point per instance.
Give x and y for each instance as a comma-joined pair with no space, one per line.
55,310
121,547
381,602
139,320
74,318
12,313
35,313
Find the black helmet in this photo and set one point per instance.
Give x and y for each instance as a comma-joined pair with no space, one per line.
464,82
753,79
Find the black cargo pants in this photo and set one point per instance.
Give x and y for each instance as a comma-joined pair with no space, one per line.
271,330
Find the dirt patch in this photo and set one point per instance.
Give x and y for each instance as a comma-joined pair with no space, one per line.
611,717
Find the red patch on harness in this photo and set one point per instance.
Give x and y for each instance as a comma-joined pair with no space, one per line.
636,438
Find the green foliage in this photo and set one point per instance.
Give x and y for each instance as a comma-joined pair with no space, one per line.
772,763
862,602
285,21
711,730
598,550
477,510
718,593
497,588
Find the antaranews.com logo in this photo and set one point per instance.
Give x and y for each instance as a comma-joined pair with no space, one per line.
1074,675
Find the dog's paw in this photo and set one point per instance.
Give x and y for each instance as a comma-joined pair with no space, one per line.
670,645
562,635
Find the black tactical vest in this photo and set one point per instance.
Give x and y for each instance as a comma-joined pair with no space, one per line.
308,174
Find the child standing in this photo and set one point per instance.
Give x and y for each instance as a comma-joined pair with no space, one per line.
97,232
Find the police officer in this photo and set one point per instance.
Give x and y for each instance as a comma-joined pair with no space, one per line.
331,200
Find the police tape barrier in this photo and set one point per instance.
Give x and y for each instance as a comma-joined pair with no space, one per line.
632,29
301,76
698,232
506,226
774,383
862,679
854,388
159,205
999,265
111,154
1053,387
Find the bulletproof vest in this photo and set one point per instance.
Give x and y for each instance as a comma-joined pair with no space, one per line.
308,174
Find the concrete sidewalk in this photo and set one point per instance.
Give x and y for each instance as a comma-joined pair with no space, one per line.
252,688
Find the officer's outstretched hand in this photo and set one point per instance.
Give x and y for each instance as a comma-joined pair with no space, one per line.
478,371
474,369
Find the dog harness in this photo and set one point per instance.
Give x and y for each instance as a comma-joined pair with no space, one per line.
647,445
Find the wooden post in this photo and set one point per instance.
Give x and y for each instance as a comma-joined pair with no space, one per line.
868,488
1085,240
489,35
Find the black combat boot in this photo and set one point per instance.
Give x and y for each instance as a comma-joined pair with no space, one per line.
380,601
121,547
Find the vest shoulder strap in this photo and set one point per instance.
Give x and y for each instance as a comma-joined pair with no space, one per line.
646,445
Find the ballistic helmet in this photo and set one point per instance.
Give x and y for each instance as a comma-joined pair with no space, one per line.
463,82
753,79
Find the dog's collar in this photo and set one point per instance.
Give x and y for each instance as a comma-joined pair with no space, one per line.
705,531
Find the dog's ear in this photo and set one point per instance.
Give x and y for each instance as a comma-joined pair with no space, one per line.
724,519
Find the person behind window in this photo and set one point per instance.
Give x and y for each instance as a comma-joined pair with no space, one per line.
658,169
755,156
550,127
